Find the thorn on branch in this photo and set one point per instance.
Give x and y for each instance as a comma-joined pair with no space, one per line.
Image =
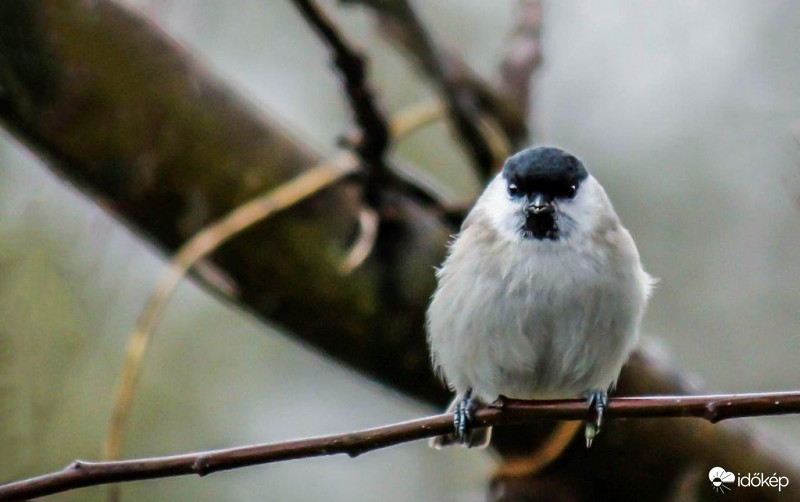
711,413
201,466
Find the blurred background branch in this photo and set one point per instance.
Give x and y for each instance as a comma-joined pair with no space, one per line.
373,139
523,54
466,95
205,242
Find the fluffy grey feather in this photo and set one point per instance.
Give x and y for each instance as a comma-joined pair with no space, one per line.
537,318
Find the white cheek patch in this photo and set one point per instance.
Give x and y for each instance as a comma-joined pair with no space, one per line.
505,214
589,205
576,216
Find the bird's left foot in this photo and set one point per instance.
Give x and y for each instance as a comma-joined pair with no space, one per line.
598,399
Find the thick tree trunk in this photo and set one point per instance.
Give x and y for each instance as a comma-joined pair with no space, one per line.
127,115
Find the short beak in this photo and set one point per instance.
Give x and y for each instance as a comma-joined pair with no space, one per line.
539,205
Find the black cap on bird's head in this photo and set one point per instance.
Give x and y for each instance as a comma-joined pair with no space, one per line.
544,169
541,176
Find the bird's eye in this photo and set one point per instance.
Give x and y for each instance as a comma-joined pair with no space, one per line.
562,190
565,191
513,190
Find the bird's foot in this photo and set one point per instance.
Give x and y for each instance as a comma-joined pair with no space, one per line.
462,418
598,399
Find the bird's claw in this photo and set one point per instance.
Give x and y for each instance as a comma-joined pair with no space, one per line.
462,419
597,399
590,432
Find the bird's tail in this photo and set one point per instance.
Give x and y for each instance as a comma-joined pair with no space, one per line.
480,438
551,449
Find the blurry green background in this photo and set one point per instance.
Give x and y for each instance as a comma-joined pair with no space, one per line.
684,111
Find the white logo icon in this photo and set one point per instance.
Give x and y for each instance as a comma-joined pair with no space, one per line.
718,476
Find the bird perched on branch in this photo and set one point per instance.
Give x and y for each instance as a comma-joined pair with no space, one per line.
541,294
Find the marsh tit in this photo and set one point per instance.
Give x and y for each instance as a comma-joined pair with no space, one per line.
540,296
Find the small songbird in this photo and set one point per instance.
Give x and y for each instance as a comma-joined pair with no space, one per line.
540,296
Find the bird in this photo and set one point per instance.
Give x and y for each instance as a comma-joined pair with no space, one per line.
540,296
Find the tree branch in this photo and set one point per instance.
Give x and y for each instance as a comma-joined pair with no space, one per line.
523,55
371,120
713,408
307,184
374,136
400,20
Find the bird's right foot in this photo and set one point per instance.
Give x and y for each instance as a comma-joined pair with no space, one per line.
462,418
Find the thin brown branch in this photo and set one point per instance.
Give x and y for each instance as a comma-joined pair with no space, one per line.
425,113
201,245
523,54
371,120
713,408
401,21
208,239
205,242
374,136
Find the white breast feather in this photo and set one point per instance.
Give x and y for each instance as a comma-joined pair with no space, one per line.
530,318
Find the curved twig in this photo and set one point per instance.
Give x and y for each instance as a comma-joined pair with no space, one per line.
363,245
217,233
199,246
